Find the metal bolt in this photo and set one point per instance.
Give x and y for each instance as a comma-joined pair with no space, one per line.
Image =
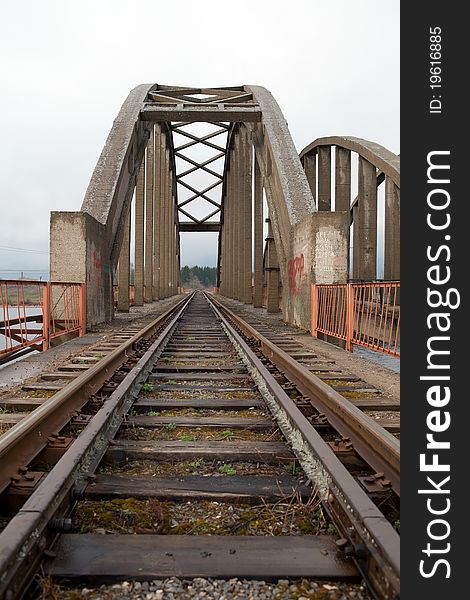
356,550
60,524
22,470
29,477
360,551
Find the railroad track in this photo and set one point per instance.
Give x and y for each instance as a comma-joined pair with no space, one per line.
205,451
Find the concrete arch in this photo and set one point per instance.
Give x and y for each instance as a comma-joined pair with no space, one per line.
376,164
382,158
310,247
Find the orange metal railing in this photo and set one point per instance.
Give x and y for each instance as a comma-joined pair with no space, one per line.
33,313
364,314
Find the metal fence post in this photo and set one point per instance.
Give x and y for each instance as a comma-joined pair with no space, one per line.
46,315
314,309
82,309
349,316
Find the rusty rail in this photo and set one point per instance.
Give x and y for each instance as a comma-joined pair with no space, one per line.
20,444
33,313
26,535
355,515
379,448
358,520
364,314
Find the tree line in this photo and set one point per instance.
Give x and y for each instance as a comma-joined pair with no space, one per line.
198,276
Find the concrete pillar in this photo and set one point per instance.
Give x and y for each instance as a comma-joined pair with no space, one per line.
234,223
160,216
239,249
392,230
172,253
169,221
273,290
174,277
164,230
272,272
310,168
171,235
356,271
231,229
226,260
171,232
222,246
149,192
228,234
176,258
79,252
258,237
178,261
156,203
324,178
342,179
246,222
175,250
123,303
163,234
139,237
367,213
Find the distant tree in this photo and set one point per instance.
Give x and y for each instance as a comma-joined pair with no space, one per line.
185,274
195,284
198,276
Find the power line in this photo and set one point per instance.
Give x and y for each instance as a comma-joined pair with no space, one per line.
29,250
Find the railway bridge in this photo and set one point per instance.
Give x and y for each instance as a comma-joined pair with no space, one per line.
183,159
197,438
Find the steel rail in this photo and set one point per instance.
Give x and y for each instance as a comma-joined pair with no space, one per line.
20,444
26,536
379,448
348,504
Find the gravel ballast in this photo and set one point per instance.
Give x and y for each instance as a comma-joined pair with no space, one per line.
214,589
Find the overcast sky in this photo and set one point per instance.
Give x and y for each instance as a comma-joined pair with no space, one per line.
67,66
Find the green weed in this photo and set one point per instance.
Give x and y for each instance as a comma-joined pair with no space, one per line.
227,469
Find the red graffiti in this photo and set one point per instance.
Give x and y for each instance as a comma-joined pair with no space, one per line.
97,267
96,260
295,270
